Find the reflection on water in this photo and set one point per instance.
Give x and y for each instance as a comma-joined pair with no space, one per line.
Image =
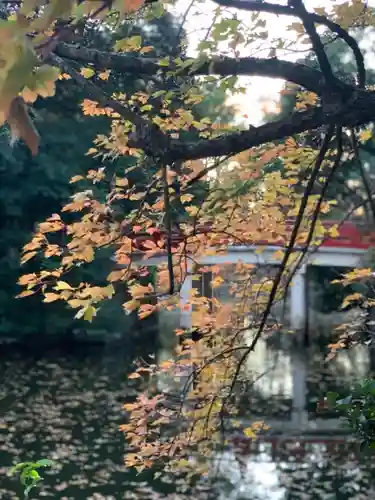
271,368
247,479
69,408
324,472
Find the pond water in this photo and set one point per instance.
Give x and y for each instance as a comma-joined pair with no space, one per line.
68,407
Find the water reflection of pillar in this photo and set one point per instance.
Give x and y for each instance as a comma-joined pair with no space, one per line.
274,449
298,315
185,298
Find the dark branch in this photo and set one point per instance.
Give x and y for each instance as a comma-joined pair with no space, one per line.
317,45
285,10
359,110
299,74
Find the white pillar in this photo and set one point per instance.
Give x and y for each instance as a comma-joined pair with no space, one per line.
298,306
171,320
185,298
298,311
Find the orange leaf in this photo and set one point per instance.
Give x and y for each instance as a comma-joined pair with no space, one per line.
27,279
51,297
76,178
27,257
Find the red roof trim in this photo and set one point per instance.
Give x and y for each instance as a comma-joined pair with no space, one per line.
351,236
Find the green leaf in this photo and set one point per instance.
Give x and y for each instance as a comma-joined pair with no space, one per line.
18,467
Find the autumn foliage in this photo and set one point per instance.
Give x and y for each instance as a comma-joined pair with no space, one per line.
245,202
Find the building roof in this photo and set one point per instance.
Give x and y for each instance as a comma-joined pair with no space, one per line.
351,235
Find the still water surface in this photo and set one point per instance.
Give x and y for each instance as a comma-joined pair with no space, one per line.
68,407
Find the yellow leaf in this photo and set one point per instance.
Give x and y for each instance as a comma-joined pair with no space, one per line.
64,76
26,293
351,298
29,96
62,285
139,291
136,196
90,312
334,232
51,297
365,135
249,432
74,303
134,375
223,316
320,11
87,72
297,27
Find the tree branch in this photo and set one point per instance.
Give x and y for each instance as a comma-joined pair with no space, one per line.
147,136
318,48
359,110
285,10
299,74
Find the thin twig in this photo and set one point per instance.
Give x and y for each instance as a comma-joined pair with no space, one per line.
363,174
